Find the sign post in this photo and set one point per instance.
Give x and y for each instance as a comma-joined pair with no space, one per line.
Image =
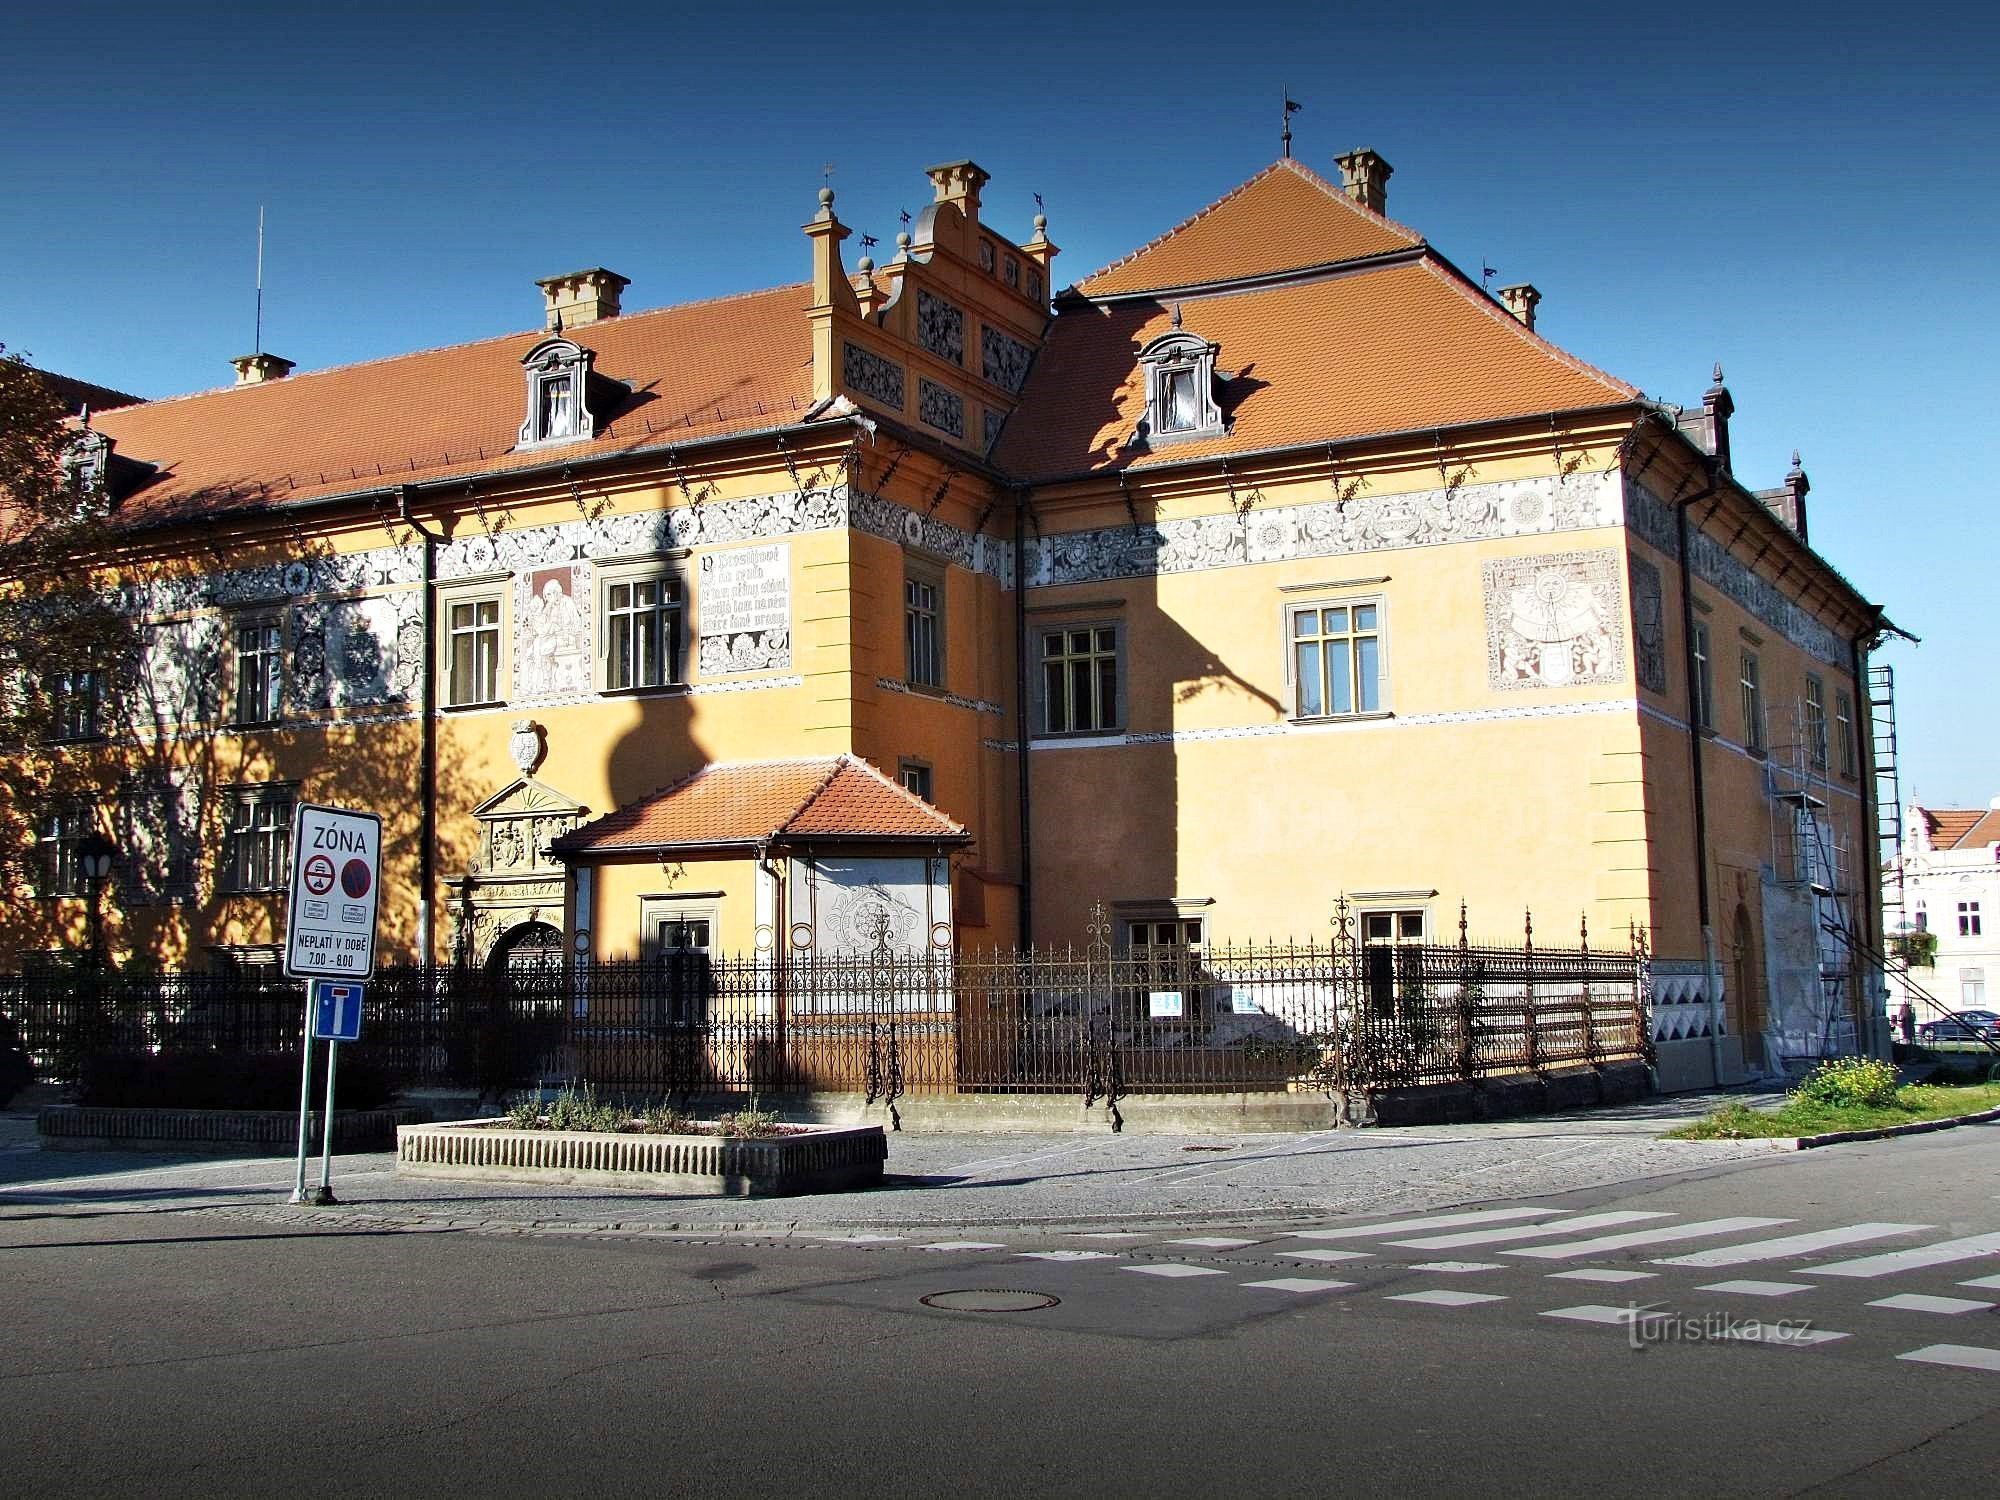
330,935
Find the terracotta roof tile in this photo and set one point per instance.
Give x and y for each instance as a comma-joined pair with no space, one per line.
1284,218
778,801
1951,827
697,370
1391,349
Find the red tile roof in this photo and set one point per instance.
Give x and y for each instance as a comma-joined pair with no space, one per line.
1284,218
775,801
1397,348
697,370
1960,827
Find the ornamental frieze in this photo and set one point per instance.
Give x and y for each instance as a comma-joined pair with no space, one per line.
940,327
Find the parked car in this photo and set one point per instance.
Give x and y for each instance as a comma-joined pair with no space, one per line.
1966,1026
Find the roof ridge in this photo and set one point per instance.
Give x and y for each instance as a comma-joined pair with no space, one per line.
839,761
1299,169
1457,280
298,376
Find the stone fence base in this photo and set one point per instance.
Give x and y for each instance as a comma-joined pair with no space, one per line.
220,1132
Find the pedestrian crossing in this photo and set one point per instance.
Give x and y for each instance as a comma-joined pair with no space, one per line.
1540,1249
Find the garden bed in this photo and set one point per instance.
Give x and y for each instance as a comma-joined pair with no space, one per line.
225,1132
1847,1096
807,1159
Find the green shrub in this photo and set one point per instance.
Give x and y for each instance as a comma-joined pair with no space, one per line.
580,1109
1848,1083
749,1124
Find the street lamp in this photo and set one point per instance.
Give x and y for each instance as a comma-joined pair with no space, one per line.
94,853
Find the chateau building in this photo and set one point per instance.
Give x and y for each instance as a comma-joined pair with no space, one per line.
1276,562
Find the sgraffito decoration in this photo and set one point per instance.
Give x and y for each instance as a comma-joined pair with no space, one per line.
1649,631
1553,621
552,633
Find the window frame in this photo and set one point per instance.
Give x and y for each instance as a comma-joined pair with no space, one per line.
928,573
1970,924
58,876
1171,354
1382,980
77,715
1750,683
552,362
661,1009
253,797
494,590
1038,677
1181,962
273,678
1844,740
1815,724
1704,677
674,646
1293,609
909,767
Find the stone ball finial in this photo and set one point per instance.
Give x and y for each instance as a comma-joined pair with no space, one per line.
865,264
1041,224
902,239
826,197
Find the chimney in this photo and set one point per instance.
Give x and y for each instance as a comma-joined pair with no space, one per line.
1364,177
1720,407
581,297
1788,501
255,369
959,182
1520,301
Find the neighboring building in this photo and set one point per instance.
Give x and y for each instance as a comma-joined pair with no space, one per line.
80,396
1950,874
1299,565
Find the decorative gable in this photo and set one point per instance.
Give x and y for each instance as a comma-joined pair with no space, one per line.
518,825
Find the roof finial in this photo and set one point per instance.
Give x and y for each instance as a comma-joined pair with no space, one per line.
1177,315
1292,107
1718,372
1041,219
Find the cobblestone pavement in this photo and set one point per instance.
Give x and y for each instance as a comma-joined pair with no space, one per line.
936,1181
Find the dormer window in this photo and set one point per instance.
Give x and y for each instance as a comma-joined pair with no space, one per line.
1180,386
558,374
89,461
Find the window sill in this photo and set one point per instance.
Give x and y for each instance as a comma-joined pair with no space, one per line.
927,689
663,690
459,708
1367,718
1043,735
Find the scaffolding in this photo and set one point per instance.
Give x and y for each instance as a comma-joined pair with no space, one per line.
1813,858
1888,796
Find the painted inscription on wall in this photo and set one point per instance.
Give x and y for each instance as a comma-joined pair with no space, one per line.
1553,621
743,599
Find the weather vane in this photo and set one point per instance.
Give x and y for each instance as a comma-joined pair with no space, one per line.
1292,107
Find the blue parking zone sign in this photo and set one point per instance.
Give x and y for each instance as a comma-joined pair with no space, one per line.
337,1010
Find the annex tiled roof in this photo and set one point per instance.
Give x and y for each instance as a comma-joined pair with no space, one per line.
77,394
1393,348
1284,218
777,801
698,370
1959,827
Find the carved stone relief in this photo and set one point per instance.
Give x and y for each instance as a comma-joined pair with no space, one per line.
940,327
867,373
1003,359
1553,621
941,407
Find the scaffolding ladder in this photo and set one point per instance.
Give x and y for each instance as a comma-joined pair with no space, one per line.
1888,795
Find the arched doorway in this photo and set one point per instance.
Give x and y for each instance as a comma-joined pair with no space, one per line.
531,951
1747,1008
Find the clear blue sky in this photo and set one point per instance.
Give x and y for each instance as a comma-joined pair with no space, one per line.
1804,193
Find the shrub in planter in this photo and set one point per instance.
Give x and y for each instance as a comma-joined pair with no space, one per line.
222,1080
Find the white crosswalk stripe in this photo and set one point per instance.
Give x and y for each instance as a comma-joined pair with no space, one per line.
1213,1243
1596,1313
1756,1288
1602,1275
1442,1298
1323,1255
1962,1356
1459,1267
1174,1270
1706,1229
1525,1231
1941,1254
1784,1336
1298,1284
1917,1302
963,1245
1790,1245
1428,1221
1065,1254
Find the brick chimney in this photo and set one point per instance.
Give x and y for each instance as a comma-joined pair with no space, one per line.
1719,406
255,369
581,297
1520,301
1364,177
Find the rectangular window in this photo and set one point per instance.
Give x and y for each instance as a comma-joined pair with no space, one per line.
923,626
1816,721
1166,975
558,412
1384,937
472,652
1079,681
1971,989
1337,659
260,838
916,778
1843,727
260,669
1968,919
1753,702
642,631
77,705
1704,679
63,827
1179,411
680,944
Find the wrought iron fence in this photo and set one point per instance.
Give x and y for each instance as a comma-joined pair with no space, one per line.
1084,1020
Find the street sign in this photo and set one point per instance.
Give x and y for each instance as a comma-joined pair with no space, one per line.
336,888
336,1010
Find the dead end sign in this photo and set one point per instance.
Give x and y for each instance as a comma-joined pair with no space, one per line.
336,888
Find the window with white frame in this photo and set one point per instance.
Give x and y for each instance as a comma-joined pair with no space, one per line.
1180,386
1971,989
1816,721
1704,679
1167,954
1968,919
1843,735
643,607
259,838
923,623
77,705
1336,658
915,775
679,944
1079,684
63,827
558,375
258,658
1390,944
1750,681
472,650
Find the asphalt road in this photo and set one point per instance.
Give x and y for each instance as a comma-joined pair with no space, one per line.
170,1351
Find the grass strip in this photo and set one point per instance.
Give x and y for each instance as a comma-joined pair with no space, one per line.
1915,1102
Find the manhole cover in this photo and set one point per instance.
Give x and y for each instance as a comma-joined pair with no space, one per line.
990,1300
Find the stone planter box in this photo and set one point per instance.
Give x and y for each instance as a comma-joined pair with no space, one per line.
817,1160
221,1132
